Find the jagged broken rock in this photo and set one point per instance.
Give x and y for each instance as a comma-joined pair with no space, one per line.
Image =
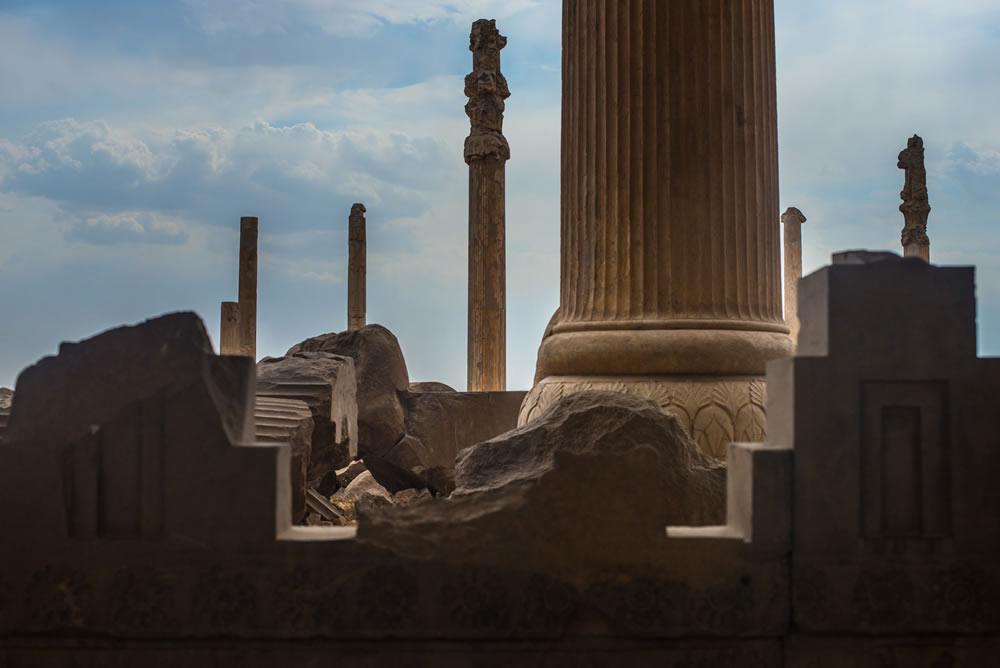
60,397
350,472
326,383
412,465
430,386
381,374
534,494
595,422
363,487
445,423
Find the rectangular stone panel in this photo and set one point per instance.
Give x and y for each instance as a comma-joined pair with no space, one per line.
906,486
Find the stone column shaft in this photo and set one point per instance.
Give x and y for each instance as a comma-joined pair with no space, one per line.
792,220
357,269
487,277
486,152
248,286
670,261
229,337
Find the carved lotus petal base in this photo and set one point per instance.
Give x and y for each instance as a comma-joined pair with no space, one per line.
715,410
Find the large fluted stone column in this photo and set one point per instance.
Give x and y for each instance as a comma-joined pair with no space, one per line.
486,152
357,268
670,272
248,287
792,220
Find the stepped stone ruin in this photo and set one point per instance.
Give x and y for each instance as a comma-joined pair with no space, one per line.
862,532
684,485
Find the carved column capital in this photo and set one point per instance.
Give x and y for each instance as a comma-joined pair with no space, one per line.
486,89
915,206
792,215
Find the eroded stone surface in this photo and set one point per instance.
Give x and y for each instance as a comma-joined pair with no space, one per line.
430,386
591,423
327,384
89,382
448,422
594,457
380,371
915,206
357,268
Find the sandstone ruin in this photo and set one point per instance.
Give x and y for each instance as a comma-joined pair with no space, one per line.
486,151
792,220
915,206
670,271
161,504
357,269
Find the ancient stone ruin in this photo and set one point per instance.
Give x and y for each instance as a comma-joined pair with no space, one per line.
792,220
915,206
357,269
677,489
486,152
670,270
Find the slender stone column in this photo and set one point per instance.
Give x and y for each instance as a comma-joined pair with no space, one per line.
229,337
486,152
792,219
357,268
915,206
670,272
248,286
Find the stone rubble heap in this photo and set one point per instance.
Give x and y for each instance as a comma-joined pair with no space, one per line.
373,434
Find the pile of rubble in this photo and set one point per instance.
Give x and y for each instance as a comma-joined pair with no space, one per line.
360,432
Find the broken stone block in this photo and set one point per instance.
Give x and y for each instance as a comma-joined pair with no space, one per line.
430,386
593,459
381,374
595,422
448,422
288,421
142,432
411,464
349,473
364,483
369,502
326,383
87,383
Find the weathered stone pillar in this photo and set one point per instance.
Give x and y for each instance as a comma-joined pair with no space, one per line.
357,268
792,220
486,152
915,206
248,286
670,272
229,336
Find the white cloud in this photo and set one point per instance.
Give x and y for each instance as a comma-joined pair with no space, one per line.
131,227
343,17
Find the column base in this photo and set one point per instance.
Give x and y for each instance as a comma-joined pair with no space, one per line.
714,409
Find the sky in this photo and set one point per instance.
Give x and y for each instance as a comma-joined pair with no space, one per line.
133,136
